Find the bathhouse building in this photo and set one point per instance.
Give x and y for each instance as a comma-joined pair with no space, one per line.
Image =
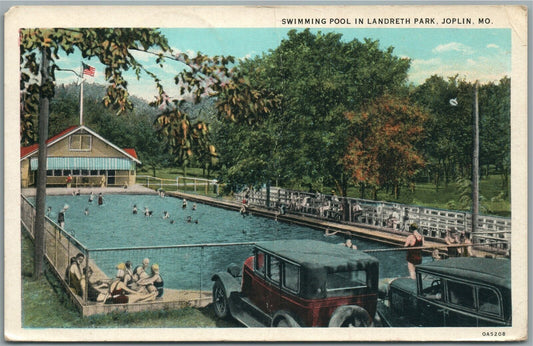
87,157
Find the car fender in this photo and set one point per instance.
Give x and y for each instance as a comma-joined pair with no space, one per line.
349,311
291,319
231,284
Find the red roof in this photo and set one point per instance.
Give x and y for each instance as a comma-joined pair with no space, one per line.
25,151
131,151
34,147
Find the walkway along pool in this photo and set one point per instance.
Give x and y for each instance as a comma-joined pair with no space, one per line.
113,225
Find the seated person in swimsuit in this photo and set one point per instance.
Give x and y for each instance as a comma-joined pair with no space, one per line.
120,293
75,278
97,288
154,283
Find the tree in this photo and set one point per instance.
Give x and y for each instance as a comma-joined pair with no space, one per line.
382,148
448,147
318,78
39,50
495,128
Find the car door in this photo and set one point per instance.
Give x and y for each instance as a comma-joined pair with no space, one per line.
257,289
431,304
462,304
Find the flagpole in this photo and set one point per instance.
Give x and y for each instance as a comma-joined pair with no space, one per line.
81,96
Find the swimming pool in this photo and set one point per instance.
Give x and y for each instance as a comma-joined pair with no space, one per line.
113,225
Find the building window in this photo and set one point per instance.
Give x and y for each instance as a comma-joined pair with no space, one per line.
94,172
58,172
84,172
49,172
80,142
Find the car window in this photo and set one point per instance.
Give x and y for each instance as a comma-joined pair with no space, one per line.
461,294
291,277
431,286
273,272
489,302
260,262
345,280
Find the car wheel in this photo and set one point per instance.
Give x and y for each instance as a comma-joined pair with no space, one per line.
283,319
350,316
220,301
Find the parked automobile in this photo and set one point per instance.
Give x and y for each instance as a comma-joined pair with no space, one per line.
456,292
299,283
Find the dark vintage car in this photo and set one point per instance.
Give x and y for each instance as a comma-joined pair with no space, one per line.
299,283
456,292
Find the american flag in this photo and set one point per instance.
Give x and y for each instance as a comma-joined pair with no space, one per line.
88,70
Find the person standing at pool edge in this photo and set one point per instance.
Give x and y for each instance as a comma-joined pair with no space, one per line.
414,256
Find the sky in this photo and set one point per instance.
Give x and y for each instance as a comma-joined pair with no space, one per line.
473,54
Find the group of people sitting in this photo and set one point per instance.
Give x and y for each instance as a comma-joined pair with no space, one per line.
128,286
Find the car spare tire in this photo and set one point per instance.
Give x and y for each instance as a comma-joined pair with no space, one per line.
350,316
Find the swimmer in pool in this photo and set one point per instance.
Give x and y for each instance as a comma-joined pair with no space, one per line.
86,211
147,212
100,199
194,206
134,210
48,211
184,204
188,219
91,197
166,215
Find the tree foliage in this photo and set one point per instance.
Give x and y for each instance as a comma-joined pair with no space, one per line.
111,46
448,148
382,150
317,78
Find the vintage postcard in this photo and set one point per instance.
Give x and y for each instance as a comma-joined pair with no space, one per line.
210,173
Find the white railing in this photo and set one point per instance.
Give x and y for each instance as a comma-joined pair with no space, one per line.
207,187
492,231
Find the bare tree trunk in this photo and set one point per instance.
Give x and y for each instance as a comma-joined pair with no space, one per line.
44,109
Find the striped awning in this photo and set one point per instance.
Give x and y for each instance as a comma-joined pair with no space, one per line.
90,163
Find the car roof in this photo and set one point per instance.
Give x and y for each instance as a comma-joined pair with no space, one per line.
315,254
487,270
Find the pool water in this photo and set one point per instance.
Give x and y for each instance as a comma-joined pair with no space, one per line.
113,225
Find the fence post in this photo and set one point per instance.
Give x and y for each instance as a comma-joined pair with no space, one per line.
86,290
177,183
194,185
201,272
56,238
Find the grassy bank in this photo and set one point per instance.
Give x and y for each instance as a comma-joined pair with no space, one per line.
46,305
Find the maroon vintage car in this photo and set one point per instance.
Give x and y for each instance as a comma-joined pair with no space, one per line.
299,283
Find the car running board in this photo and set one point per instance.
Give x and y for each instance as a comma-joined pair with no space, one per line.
244,311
